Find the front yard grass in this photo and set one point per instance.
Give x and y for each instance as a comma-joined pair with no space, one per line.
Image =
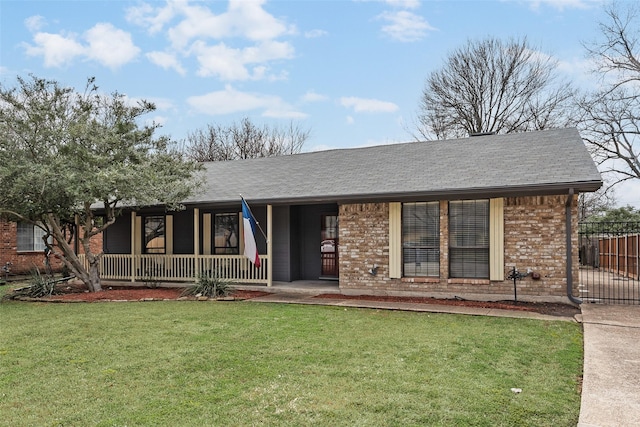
250,364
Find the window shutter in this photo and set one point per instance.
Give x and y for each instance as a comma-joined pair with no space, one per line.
206,234
168,235
496,239
395,240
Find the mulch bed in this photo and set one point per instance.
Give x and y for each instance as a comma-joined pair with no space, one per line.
75,292
554,309
79,293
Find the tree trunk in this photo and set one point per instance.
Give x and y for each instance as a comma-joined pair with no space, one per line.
90,277
94,275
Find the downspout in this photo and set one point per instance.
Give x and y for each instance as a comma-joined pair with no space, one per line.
567,210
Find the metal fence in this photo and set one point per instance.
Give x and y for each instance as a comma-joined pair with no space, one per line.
609,262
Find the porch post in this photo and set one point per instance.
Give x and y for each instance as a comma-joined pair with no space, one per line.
196,239
269,245
133,246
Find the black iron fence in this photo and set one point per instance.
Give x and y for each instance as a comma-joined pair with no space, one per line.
610,262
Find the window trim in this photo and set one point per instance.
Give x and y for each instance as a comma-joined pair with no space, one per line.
224,250
145,244
435,247
477,248
34,239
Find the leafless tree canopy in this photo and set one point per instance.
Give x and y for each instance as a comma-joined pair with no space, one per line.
244,140
610,116
493,86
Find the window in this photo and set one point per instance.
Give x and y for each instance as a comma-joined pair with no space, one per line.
30,237
469,239
154,234
226,234
421,239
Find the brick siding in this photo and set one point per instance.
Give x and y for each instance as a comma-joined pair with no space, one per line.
24,261
534,237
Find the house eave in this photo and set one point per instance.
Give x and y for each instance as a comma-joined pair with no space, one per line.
444,194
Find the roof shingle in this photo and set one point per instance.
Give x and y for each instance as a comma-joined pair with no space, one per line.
544,162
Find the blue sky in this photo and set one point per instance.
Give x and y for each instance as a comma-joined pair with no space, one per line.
350,71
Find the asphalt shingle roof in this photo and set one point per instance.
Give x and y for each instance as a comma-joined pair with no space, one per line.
544,162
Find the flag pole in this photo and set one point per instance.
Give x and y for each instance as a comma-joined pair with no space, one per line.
254,218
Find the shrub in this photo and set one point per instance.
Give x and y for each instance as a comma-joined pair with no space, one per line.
40,286
210,286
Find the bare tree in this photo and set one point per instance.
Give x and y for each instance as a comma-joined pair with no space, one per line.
493,86
244,140
610,116
590,204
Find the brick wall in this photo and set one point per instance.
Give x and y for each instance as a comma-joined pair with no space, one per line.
23,261
534,238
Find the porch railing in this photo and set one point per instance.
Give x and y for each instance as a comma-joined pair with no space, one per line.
180,268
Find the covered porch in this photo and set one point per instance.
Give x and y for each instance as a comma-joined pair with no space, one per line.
299,244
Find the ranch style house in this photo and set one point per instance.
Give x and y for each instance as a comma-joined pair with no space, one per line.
437,218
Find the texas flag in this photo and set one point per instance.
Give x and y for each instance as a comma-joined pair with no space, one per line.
249,222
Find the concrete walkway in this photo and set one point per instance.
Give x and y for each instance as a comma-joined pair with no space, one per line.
611,380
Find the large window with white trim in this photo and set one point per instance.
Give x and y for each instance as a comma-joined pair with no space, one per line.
421,239
469,239
30,238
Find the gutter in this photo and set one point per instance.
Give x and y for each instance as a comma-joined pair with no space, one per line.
567,209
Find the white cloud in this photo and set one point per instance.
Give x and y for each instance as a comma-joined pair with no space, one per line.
162,104
312,96
153,19
167,61
243,19
565,4
404,4
312,34
405,26
230,64
350,120
363,105
229,101
35,23
56,49
157,120
104,44
284,112
110,46
245,37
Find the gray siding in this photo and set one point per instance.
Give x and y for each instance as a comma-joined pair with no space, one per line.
308,239
116,239
183,232
282,244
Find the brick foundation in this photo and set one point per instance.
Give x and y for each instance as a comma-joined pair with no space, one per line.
534,237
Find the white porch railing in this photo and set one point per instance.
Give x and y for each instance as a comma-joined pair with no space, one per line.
180,268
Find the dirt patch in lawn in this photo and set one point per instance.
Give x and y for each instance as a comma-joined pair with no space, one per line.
553,309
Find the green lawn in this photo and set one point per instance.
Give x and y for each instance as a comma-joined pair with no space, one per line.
250,364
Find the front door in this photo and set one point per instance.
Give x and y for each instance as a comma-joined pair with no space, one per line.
329,245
